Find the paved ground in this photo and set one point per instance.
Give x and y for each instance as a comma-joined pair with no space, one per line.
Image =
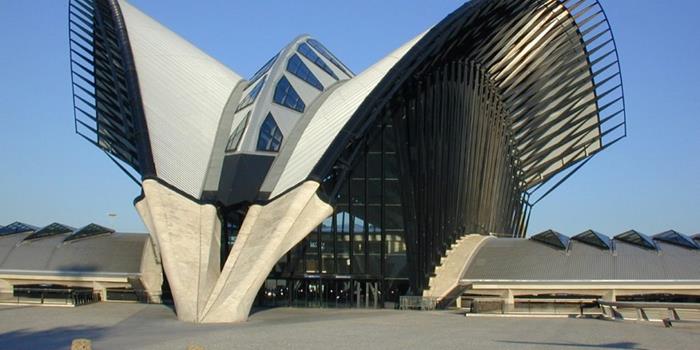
138,326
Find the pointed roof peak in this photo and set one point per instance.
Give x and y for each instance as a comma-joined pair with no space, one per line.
552,238
637,238
17,227
87,231
52,229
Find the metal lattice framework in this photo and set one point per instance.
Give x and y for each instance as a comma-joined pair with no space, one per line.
107,106
554,68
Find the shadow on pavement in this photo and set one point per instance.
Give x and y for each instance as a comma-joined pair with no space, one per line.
619,345
55,338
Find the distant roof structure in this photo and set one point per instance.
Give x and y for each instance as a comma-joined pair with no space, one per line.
50,230
594,238
673,237
552,238
90,230
527,260
636,238
17,227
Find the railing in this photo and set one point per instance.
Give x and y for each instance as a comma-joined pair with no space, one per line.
52,296
612,310
417,303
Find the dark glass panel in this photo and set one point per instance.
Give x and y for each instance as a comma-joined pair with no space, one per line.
374,165
311,55
238,133
16,227
285,95
675,238
90,230
552,238
593,238
270,137
636,238
50,230
252,95
297,67
266,67
329,56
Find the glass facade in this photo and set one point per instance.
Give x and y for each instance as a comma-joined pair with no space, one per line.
328,55
306,51
252,94
264,69
237,134
297,67
357,256
270,137
285,95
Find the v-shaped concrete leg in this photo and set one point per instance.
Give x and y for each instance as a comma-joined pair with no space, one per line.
267,233
188,236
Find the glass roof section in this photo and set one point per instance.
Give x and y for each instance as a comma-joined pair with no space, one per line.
594,238
90,230
297,67
285,95
675,238
327,54
237,134
636,238
266,67
252,94
306,51
270,137
16,227
552,238
50,230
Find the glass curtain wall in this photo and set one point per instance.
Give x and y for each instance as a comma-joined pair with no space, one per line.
357,256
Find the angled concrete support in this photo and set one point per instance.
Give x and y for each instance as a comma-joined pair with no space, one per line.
266,234
445,284
188,237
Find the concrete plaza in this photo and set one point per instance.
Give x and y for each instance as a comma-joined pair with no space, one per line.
140,326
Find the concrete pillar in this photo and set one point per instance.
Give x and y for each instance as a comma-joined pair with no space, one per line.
610,295
187,234
267,233
509,298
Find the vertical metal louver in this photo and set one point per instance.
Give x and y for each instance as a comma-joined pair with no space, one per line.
107,106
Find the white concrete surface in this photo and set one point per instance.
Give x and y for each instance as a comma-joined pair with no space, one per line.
189,240
453,265
267,233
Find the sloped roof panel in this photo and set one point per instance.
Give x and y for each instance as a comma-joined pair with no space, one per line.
182,118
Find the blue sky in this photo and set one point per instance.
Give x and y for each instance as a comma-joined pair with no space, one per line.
650,181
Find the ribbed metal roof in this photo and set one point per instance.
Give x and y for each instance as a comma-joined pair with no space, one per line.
119,253
527,260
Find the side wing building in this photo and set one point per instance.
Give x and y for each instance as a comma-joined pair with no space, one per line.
320,180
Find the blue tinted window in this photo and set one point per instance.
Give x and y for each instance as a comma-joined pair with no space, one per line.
309,53
328,55
238,134
285,95
266,67
297,67
270,138
250,98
